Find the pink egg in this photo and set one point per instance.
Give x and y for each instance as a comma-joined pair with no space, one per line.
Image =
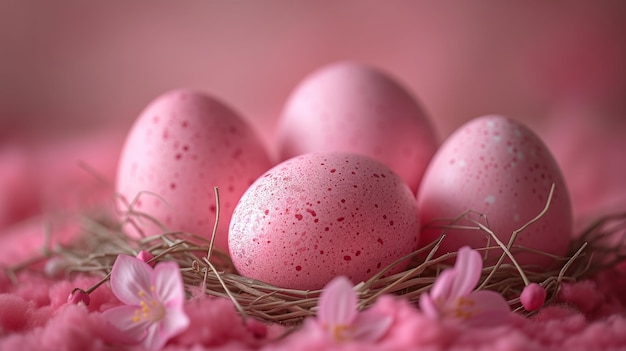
354,108
320,215
182,146
497,167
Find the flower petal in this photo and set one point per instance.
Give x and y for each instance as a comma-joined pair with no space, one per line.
129,276
155,340
337,303
442,288
489,308
428,306
468,267
122,319
371,325
168,284
174,323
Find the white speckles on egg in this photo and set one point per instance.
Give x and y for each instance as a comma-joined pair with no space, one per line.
323,214
490,199
183,145
497,167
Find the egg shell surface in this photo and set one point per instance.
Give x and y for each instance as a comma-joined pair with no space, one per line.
183,145
496,166
355,108
320,215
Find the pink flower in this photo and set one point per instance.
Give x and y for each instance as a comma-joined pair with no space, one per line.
533,297
452,296
154,300
338,314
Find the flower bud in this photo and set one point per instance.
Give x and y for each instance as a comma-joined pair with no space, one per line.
533,297
79,297
146,256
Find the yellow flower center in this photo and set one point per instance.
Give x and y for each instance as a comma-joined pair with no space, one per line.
149,309
463,308
340,332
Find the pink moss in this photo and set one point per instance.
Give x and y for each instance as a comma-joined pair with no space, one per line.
589,314
215,322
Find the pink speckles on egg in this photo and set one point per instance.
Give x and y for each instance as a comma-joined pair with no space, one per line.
323,233
175,155
497,167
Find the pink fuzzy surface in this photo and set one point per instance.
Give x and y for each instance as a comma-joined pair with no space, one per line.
586,315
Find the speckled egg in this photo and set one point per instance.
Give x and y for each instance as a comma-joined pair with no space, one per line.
183,145
497,167
355,108
320,215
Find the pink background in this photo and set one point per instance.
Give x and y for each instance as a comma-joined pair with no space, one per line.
74,76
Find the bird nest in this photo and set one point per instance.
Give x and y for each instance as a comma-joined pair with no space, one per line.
209,270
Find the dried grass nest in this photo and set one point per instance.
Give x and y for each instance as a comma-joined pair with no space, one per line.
208,269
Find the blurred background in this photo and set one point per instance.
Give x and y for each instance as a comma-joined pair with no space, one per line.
75,75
